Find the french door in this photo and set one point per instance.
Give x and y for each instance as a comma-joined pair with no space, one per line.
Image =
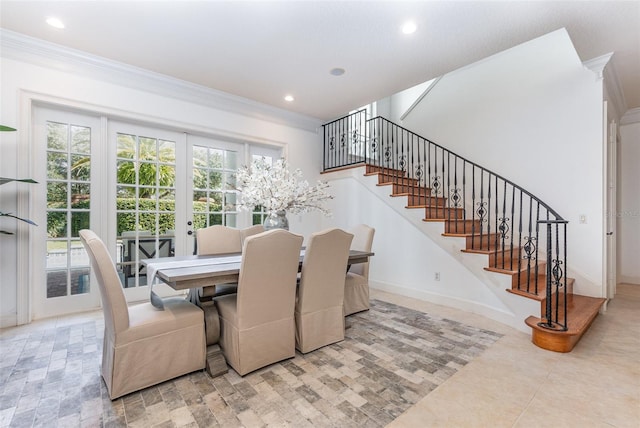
211,185
143,189
68,199
147,197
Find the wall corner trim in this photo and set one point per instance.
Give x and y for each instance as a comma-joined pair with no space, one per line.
631,116
421,97
598,64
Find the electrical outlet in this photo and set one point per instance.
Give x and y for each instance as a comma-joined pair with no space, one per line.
583,219
437,276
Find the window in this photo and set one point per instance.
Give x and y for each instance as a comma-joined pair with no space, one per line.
68,208
214,187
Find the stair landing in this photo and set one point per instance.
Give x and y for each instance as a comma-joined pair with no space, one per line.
583,311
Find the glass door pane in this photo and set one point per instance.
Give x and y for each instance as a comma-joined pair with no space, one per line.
68,208
65,158
214,193
145,201
213,188
269,155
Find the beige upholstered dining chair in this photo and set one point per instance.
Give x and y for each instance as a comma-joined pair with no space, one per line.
319,305
257,326
356,286
250,231
142,345
217,240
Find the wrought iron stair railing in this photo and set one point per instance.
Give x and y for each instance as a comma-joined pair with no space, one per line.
498,217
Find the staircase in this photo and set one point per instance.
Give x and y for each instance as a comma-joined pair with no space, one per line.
496,217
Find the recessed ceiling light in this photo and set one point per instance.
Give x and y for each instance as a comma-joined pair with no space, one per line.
409,27
337,71
55,22
289,98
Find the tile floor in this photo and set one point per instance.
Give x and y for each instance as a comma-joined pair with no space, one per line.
391,357
516,384
511,383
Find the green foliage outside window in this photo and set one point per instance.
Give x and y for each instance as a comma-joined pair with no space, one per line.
57,220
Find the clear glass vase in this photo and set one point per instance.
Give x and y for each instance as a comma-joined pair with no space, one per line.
276,220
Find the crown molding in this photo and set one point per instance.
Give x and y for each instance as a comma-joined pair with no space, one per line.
39,52
598,64
631,116
605,70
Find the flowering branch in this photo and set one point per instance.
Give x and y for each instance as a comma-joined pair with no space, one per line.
275,188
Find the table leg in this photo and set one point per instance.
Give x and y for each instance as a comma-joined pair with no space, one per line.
216,363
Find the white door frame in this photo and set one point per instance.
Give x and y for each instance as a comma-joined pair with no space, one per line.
43,306
122,126
611,210
25,206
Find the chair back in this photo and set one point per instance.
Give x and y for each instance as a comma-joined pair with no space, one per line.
362,241
218,239
268,274
114,304
250,231
323,270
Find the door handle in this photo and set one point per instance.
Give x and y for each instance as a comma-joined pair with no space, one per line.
609,233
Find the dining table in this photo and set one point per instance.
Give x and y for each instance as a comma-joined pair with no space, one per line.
199,274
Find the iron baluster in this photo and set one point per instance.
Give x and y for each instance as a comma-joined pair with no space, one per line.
513,197
537,258
464,195
473,200
548,307
413,162
520,244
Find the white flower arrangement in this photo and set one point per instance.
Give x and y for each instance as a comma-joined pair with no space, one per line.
275,188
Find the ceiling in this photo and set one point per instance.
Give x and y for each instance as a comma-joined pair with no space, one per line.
263,50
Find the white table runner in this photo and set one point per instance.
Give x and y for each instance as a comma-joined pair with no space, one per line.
153,267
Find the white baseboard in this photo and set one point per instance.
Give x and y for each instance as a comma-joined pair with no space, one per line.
454,302
8,321
622,279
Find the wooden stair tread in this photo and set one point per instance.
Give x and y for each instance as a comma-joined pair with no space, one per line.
539,296
410,191
435,207
523,269
541,282
374,169
467,234
514,250
456,235
582,310
395,195
402,181
424,206
463,225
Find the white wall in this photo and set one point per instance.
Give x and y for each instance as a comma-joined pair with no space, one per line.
91,90
628,215
407,256
532,114
402,102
